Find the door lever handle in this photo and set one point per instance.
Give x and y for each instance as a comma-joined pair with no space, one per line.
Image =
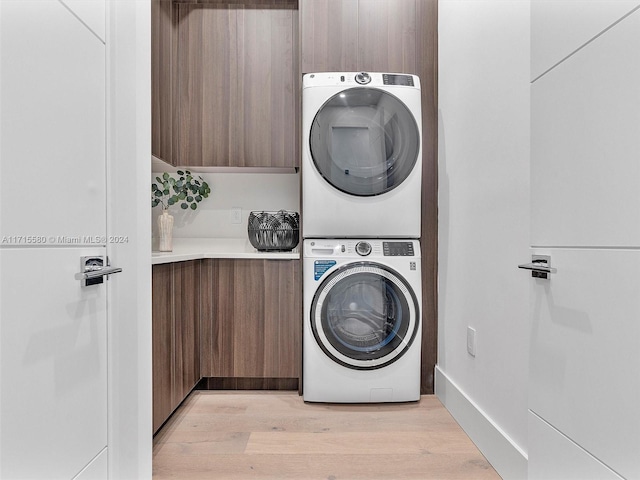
540,266
93,269
99,272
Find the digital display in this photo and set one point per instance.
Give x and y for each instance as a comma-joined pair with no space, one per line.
406,80
397,249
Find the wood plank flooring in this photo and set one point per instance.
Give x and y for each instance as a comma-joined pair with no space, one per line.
275,435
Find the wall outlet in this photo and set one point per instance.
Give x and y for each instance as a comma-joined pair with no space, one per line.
471,341
236,215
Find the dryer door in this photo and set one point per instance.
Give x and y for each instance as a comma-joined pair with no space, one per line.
364,316
364,141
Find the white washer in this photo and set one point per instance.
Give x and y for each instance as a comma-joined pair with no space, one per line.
361,155
362,327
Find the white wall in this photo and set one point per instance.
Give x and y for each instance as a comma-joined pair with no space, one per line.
249,191
484,223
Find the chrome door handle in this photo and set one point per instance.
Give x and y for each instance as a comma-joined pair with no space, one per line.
100,272
540,266
93,270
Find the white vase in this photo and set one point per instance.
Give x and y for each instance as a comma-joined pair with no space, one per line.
165,227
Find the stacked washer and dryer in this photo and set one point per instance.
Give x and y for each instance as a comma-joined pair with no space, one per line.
361,196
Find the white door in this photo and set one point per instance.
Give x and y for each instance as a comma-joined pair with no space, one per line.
584,382
53,331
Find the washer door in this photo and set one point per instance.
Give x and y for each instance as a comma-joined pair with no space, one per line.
364,141
364,316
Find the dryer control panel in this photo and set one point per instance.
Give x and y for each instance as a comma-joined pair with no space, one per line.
359,79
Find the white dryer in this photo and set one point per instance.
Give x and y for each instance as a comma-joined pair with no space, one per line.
361,155
362,327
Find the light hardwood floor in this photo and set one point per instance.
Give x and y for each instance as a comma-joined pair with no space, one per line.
275,435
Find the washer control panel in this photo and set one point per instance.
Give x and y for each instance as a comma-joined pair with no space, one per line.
397,249
361,247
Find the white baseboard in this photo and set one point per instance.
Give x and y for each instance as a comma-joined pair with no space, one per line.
509,460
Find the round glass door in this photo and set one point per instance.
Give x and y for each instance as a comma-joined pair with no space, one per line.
364,141
364,316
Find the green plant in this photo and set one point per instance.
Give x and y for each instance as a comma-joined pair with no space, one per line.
186,190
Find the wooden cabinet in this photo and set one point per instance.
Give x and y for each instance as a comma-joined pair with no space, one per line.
251,318
329,35
164,117
186,315
176,320
162,340
362,35
225,78
235,320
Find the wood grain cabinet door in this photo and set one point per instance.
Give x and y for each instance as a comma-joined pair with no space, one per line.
237,85
360,35
176,328
329,35
163,57
186,329
162,340
251,325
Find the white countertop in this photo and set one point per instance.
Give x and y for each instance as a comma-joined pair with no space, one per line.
196,248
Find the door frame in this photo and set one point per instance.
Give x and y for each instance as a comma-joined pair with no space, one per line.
128,222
